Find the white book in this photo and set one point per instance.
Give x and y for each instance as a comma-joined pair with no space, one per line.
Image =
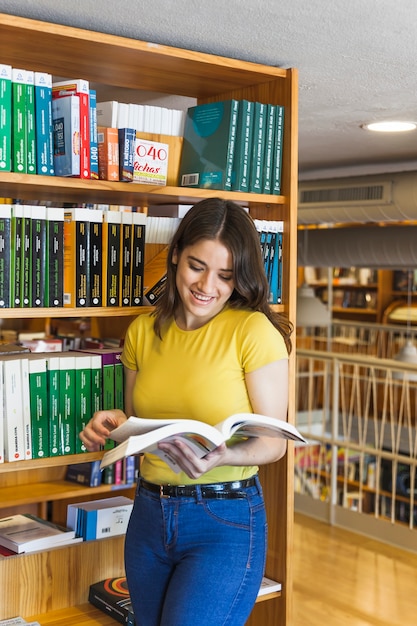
27,427
98,519
138,434
107,113
123,116
268,586
28,533
14,439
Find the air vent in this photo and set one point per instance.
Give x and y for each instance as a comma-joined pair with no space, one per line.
354,195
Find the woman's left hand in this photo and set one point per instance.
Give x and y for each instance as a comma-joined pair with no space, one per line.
191,464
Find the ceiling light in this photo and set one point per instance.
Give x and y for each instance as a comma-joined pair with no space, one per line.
390,127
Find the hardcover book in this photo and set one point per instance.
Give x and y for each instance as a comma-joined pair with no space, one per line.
66,136
84,473
142,435
112,597
258,148
208,147
243,146
277,161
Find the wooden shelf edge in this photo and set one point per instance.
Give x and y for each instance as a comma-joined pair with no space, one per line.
50,461
49,312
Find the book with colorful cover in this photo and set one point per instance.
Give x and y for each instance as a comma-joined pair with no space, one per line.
208,146
108,153
5,117
93,135
66,135
127,142
150,164
111,596
80,89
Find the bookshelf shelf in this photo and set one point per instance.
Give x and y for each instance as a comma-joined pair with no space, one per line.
109,61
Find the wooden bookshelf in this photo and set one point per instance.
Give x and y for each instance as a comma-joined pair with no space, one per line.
55,583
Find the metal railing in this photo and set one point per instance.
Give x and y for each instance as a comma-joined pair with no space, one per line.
358,411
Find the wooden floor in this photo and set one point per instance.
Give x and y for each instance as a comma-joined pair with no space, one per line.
343,578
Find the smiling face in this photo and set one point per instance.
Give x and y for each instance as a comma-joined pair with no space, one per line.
204,281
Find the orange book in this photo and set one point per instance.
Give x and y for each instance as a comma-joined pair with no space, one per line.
108,153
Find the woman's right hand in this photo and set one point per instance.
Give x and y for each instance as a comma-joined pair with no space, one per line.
99,427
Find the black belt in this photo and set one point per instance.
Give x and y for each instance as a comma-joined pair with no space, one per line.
230,490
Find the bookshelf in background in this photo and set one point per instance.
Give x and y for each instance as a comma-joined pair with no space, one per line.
202,77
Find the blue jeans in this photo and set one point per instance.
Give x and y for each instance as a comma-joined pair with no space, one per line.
195,561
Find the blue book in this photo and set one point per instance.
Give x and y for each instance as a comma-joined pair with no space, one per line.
43,124
127,142
208,146
243,145
258,148
269,148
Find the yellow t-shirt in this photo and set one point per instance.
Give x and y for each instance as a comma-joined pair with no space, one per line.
198,374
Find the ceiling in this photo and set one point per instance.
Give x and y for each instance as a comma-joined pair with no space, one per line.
356,62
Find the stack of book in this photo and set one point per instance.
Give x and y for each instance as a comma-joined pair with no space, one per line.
28,533
233,145
98,519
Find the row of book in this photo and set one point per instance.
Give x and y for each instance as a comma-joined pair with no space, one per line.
233,145
76,257
47,398
52,128
98,519
270,234
121,474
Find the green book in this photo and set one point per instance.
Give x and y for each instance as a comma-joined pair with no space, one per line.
96,384
30,122
53,378
269,147
38,386
67,426
5,118
118,382
6,278
244,135
82,397
279,138
258,148
208,146
19,133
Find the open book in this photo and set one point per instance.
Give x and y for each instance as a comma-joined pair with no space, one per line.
143,435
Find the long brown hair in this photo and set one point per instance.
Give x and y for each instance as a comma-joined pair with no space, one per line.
227,222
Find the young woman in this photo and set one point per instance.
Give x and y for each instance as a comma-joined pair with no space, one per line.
196,543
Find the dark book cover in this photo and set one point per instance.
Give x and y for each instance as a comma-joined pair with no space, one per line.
126,260
127,141
138,257
112,256
55,239
26,280
39,256
112,597
84,473
5,255
96,258
16,254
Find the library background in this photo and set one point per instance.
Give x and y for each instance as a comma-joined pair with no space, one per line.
69,209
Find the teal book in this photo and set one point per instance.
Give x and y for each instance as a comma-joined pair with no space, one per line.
279,139
258,148
208,146
43,124
269,148
30,122
244,135
6,278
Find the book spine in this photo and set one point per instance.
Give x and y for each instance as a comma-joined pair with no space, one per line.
82,397
43,124
19,137
269,147
27,429
258,149
14,433
279,138
5,118
39,407
96,258
244,134
93,135
127,140
118,382
126,259
67,404
6,279
66,136
16,253
82,266
111,249
108,153
231,145
138,257
39,256
30,122
26,281
53,380
55,246
150,165
96,384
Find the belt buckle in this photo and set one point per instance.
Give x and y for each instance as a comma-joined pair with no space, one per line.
161,492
